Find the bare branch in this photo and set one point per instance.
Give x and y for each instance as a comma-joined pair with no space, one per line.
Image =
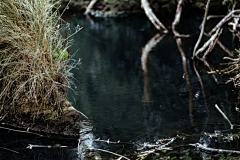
224,20
198,145
202,28
102,150
152,17
226,118
90,6
177,20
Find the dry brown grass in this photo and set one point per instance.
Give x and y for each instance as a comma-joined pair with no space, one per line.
30,38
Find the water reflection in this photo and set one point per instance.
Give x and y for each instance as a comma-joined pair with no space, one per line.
132,94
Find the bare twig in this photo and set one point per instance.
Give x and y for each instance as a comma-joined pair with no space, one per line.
200,146
177,20
90,6
14,130
31,146
210,43
226,118
214,16
224,20
234,4
9,150
202,29
152,17
221,45
102,150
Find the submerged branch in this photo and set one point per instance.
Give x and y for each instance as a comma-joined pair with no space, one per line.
102,150
200,146
226,118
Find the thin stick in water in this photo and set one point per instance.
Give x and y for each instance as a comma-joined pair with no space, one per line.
226,118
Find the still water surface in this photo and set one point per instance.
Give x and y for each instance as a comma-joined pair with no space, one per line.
127,104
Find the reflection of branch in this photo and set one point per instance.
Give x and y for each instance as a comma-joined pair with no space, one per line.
152,17
198,145
90,19
179,44
177,20
146,94
202,29
147,48
201,84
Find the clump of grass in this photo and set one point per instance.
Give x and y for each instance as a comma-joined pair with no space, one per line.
34,62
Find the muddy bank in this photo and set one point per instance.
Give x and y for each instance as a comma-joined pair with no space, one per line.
44,120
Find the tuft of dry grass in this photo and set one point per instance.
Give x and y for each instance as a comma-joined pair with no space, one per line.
34,63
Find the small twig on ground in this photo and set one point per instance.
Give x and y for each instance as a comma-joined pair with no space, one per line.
226,118
102,150
152,17
90,6
202,29
200,146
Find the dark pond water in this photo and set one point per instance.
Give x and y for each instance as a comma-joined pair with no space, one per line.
125,103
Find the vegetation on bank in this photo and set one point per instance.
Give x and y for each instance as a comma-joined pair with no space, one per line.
34,61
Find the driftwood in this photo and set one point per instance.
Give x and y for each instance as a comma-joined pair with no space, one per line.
152,17
90,6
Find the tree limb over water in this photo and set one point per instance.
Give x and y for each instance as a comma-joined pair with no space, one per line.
152,17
